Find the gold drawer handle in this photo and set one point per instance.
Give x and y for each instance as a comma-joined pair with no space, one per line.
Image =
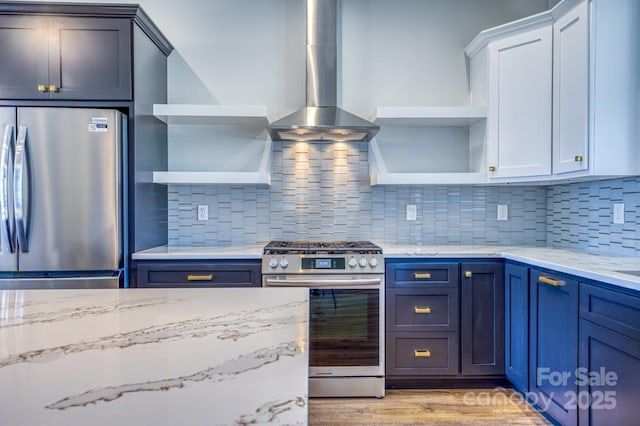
468,274
42,88
421,353
492,168
192,277
421,275
425,310
551,281
578,158
53,88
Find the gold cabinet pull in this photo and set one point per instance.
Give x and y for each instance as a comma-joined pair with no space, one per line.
53,88
578,158
551,281
42,88
492,168
419,310
468,274
421,275
194,277
422,353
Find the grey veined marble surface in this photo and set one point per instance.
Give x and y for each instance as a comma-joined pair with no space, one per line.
154,357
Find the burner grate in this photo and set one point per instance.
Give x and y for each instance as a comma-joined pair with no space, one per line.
321,247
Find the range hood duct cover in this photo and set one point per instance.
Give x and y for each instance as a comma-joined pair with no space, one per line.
321,119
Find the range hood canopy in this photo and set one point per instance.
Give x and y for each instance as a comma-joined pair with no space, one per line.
321,119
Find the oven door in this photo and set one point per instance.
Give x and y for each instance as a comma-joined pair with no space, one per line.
346,325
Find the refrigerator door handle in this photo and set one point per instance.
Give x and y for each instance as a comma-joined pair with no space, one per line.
18,175
5,159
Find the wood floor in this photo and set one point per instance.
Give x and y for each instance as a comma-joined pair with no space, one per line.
427,407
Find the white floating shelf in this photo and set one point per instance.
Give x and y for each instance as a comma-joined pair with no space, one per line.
235,115
470,178
428,116
212,178
380,175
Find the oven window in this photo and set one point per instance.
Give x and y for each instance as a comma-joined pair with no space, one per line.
344,329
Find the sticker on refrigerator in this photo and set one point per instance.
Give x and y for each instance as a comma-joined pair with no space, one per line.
98,124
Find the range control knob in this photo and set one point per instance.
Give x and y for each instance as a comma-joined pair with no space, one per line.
284,263
353,262
373,262
363,262
273,263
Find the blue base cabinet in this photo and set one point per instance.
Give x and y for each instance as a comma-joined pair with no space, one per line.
609,357
482,319
553,342
516,318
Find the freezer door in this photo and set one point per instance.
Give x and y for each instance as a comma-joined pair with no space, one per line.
58,283
67,189
8,254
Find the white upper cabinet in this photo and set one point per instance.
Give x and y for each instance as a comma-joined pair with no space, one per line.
571,91
562,92
596,76
519,110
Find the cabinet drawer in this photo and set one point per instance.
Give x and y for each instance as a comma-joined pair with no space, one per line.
415,310
198,274
422,275
422,354
611,309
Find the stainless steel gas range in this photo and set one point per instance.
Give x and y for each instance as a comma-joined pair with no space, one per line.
346,305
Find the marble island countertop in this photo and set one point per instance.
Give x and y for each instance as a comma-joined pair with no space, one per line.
153,357
602,268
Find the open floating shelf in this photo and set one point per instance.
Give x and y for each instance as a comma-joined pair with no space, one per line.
234,115
428,116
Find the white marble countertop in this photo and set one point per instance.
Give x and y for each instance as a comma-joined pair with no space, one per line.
153,357
591,266
200,253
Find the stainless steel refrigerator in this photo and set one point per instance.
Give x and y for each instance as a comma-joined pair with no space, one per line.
61,197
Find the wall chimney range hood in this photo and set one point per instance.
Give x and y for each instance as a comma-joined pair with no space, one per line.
322,120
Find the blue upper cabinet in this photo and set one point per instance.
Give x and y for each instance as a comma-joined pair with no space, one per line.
516,317
73,58
553,345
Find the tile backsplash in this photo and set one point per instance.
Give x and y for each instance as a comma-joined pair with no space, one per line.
321,191
580,216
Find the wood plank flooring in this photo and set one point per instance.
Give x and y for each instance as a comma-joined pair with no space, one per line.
427,407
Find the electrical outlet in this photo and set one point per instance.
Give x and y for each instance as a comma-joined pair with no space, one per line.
618,213
503,212
203,212
412,212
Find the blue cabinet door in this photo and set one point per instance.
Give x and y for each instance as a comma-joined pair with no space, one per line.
482,318
516,316
553,343
609,377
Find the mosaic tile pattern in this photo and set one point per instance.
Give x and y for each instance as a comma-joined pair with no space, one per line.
580,216
321,192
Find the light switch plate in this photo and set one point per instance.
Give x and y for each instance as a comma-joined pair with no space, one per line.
412,212
503,212
618,213
203,212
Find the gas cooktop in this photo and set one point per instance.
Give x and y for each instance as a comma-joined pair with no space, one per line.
321,247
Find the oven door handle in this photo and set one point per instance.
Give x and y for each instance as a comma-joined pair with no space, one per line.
323,282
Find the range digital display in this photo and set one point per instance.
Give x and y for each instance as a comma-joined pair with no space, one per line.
323,263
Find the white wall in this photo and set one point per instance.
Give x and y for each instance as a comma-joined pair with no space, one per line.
392,52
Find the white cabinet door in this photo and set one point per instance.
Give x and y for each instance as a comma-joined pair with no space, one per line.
519,110
571,91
